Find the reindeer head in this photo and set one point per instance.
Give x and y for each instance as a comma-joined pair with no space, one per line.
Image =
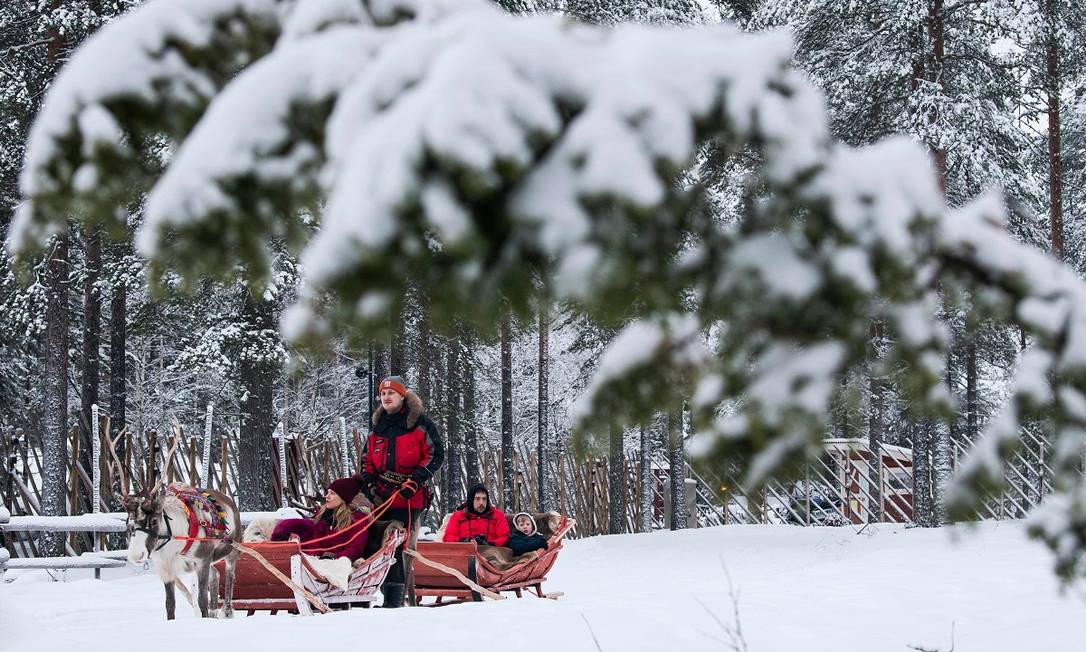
145,513
144,522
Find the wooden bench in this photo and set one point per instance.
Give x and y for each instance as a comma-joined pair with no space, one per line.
257,589
466,559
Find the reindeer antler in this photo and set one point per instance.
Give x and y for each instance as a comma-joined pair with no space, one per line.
120,466
169,461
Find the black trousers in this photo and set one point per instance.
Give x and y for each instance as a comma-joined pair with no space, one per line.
395,574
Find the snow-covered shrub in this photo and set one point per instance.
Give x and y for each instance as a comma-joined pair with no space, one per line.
487,159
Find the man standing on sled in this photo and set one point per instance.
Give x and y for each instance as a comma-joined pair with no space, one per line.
403,453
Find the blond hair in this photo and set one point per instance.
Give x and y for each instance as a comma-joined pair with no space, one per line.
341,516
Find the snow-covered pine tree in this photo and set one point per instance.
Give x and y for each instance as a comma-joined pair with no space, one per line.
562,170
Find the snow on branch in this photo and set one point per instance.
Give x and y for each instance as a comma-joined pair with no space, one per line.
255,156
147,75
485,146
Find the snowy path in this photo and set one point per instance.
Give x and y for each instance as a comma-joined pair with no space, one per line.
800,590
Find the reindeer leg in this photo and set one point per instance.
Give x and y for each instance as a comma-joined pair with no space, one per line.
228,594
170,600
213,591
203,574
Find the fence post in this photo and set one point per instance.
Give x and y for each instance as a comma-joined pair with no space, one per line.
691,502
205,454
281,435
96,476
5,516
344,447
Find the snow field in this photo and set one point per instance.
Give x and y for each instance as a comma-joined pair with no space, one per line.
798,589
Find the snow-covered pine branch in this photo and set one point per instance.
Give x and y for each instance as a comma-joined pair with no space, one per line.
142,78
481,157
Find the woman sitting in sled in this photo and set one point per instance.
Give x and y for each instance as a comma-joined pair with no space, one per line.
335,516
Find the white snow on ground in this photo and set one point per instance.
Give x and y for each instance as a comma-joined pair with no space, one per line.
800,589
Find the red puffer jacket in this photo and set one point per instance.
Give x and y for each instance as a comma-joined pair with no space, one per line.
403,445
465,524
308,530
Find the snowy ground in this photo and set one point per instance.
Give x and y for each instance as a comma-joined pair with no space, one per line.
799,589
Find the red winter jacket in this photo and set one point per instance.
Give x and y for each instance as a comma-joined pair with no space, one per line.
465,524
308,529
406,444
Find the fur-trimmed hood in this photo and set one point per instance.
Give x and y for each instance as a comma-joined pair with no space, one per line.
413,405
535,528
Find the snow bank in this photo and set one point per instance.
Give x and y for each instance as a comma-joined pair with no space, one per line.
811,589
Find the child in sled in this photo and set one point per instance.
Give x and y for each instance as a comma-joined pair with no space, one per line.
525,536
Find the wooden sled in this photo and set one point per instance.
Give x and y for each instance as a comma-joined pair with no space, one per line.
467,559
257,589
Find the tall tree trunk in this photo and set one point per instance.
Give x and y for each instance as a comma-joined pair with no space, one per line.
645,480
972,408
677,469
543,447
256,477
118,362
426,355
454,408
924,509
471,423
508,471
1055,155
936,57
55,432
380,365
396,365
89,363
616,485
876,420
55,419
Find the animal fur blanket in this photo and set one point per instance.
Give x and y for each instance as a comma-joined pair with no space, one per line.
336,571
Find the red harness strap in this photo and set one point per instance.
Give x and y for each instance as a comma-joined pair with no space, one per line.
194,524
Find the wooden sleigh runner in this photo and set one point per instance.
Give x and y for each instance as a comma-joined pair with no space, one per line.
256,588
479,565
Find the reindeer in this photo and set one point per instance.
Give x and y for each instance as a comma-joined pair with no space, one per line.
156,517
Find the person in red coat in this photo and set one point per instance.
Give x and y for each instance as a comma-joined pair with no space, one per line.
334,518
478,520
403,453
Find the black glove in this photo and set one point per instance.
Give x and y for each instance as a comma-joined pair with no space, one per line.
328,555
366,484
466,539
409,488
481,540
420,475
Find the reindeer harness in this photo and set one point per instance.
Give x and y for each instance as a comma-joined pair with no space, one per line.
202,512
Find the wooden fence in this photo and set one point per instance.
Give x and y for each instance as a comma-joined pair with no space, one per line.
310,462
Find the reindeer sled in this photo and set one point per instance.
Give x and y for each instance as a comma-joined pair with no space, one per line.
280,577
459,572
